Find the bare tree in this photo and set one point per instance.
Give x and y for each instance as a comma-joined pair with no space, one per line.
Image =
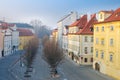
30,51
40,29
53,54
45,39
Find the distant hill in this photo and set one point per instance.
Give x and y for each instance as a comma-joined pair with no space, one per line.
23,25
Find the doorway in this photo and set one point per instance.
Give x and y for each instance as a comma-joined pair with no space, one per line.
97,67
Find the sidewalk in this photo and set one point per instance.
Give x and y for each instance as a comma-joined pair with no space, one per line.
5,64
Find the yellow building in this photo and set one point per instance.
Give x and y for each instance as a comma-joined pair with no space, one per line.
25,35
107,43
55,34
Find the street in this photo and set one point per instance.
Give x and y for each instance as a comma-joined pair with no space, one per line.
69,70
5,64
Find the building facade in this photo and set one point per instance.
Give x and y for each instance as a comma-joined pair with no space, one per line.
80,39
74,39
67,20
15,38
86,42
54,35
106,43
1,43
65,39
7,42
24,36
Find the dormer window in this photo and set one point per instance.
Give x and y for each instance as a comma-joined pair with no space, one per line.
118,14
91,29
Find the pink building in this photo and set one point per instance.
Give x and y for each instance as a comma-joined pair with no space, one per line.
1,43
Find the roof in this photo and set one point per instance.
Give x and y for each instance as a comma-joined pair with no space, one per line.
80,22
87,29
25,32
64,18
55,30
5,25
115,16
23,25
107,11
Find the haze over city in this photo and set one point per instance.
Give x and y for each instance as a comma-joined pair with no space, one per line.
50,11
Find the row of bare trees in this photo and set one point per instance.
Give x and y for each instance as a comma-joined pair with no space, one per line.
30,52
52,54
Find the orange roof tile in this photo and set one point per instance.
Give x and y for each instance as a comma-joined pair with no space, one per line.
80,22
86,30
115,16
25,32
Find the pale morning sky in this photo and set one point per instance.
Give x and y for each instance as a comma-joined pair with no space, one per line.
50,11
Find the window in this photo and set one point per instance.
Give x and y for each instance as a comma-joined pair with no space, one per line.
111,28
96,40
86,39
100,16
102,42
111,42
97,29
85,50
91,29
103,28
85,60
111,57
91,49
102,55
96,53
91,59
91,39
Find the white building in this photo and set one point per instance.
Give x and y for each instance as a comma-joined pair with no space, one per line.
15,38
65,39
9,41
7,49
67,20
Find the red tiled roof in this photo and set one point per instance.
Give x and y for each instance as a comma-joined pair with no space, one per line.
86,30
25,32
80,22
5,25
115,16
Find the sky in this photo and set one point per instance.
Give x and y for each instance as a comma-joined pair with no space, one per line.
50,11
